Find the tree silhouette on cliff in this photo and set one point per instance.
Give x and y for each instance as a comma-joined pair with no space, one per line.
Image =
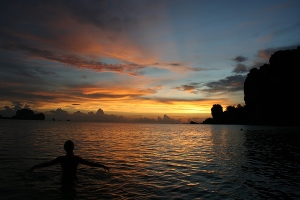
217,111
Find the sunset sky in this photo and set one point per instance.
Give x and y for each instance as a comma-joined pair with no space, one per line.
137,59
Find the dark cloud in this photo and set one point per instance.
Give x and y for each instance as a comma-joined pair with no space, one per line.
18,73
81,95
171,100
162,120
107,15
44,72
36,93
198,69
91,113
73,60
17,105
195,84
145,120
240,69
100,112
32,98
100,116
32,91
9,112
59,112
240,59
180,66
175,64
111,15
167,120
27,106
75,104
192,88
229,84
79,113
285,30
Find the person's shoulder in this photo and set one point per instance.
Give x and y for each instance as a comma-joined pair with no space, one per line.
59,157
78,157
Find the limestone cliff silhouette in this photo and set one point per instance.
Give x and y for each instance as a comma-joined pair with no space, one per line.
270,93
27,114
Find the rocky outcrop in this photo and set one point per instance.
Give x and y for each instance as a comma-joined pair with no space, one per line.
27,114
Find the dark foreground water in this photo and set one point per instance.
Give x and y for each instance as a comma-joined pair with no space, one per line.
179,161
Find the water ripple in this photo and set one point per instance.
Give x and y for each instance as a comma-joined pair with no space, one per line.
151,161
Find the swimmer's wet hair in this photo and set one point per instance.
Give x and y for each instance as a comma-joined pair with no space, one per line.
69,146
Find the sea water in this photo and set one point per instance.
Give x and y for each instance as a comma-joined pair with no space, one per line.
151,161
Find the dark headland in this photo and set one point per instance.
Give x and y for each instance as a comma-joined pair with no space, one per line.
26,114
271,94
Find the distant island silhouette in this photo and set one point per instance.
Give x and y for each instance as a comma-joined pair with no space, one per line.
26,114
270,94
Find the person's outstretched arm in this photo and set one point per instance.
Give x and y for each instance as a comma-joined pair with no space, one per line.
47,164
92,164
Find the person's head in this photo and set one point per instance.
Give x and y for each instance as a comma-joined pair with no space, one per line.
69,146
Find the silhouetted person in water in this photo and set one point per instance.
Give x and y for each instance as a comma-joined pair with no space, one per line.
69,163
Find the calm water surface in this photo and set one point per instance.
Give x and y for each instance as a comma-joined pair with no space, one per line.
178,161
